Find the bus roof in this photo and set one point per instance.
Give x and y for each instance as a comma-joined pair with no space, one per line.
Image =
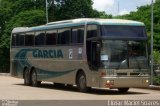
20,29
78,22
100,21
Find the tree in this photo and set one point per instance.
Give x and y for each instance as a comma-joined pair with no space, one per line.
23,19
71,9
5,12
104,15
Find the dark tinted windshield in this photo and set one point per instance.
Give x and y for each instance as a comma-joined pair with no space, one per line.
124,54
123,31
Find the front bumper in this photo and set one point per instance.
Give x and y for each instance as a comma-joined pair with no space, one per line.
122,82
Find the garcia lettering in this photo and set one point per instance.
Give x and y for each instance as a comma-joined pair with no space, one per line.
47,53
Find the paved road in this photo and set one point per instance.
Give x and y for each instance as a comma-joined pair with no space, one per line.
13,89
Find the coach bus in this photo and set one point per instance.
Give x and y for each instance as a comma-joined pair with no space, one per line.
100,53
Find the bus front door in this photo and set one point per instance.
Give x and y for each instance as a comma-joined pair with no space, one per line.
95,53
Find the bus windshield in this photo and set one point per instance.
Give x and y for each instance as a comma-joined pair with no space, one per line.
123,31
124,54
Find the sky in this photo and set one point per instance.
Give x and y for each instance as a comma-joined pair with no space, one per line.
125,6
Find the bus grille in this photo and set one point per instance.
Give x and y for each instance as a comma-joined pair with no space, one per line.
127,74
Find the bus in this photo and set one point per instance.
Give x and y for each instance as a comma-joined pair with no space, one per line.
85,52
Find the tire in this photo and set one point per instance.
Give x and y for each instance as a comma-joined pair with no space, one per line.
81,82
34,81
27,80
123,90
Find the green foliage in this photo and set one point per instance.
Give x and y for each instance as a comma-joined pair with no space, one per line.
156,80
28,18
23,19
104,15
5,14
156,57
71,9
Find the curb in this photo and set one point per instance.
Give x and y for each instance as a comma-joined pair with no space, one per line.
5,74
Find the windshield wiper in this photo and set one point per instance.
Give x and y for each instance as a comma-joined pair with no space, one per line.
122,63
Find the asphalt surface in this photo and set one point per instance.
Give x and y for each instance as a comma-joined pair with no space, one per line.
14,89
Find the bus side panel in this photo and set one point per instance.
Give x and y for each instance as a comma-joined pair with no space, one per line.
17,67
63,70
56,64
51,64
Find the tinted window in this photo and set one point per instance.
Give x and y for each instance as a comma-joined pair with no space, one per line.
77,35
63,36
91,31
51,37
123,31
40,38
29,39
13,39
20,39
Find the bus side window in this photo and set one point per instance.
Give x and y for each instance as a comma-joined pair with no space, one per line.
92,31
20,39
13,40
40,38
77,35
29,39
51,37
63,36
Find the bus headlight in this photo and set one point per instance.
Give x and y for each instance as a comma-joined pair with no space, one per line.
109,83
147,81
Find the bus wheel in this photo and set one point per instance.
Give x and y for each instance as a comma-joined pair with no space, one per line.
123,90
34,81
27,80
81,82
